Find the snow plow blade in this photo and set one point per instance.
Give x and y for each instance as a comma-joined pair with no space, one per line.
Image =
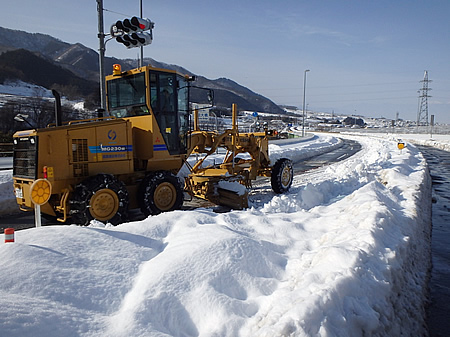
232,199
218,189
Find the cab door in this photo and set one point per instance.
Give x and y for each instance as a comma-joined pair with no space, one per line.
164,102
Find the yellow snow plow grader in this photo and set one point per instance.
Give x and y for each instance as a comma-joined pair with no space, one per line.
100,168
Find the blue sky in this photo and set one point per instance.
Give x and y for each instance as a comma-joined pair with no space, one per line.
365,57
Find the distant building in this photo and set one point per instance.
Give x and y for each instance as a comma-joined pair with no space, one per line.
353,121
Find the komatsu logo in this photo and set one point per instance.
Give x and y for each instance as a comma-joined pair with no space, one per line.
110,148
112,134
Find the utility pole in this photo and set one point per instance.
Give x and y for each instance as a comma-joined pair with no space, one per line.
432,124
422,113
101,54
304,94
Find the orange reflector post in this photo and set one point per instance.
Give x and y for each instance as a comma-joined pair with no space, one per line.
40,191
9,235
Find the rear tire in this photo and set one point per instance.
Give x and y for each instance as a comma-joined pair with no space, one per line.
282,175
160,192
101,197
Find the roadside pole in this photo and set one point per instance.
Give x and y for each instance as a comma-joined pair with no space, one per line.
101,54
40,191
431,126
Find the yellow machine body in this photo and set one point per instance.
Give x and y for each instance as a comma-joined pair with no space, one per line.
98,168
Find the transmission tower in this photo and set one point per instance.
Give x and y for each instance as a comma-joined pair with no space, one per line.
422,113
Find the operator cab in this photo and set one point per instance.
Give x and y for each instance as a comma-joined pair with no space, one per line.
165,94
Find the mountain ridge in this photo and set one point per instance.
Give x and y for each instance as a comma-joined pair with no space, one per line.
83,62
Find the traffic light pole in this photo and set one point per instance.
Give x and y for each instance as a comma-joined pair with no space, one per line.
141,62
101,37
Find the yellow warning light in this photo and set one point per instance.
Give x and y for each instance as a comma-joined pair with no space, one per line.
117,69
400,145
40,191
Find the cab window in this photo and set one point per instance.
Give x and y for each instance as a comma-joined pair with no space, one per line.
126,96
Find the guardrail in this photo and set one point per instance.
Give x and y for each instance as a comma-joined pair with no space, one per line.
6,149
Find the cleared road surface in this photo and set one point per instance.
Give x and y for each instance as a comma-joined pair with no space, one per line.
6,163
439,309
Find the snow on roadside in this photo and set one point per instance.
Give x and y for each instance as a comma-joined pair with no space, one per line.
345,253
440,141
367,271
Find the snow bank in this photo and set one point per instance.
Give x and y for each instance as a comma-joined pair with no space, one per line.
366,272
440,141
345,253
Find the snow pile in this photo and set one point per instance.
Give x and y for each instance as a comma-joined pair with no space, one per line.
233,186
345,253
440,141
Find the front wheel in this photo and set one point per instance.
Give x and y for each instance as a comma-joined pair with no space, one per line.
282,175
101,197
160,192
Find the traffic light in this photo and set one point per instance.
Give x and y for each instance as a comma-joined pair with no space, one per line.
133,32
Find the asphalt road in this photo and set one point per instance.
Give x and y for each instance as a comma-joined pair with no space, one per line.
348,149
6,163
439,308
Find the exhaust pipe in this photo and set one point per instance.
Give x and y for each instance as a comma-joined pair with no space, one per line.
58,113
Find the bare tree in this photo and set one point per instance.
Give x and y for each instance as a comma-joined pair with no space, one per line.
7,113
41,110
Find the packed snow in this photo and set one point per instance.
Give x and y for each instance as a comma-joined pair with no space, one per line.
346,252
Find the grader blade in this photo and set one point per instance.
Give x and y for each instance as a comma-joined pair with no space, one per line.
218,189
232,199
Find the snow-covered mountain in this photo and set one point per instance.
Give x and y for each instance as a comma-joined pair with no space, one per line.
83,62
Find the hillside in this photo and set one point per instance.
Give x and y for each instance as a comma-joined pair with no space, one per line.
83,62
21,64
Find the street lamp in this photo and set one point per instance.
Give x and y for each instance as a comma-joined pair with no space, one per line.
304,93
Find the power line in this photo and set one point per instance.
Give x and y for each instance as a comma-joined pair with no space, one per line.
108,10
317,96
333,86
